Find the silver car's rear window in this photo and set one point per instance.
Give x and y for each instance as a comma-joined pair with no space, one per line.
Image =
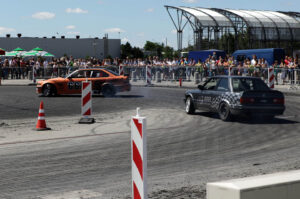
246,84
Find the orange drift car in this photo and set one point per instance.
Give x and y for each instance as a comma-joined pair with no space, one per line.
103,81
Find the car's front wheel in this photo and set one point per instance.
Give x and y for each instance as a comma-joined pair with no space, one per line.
224,112
48,90
189,106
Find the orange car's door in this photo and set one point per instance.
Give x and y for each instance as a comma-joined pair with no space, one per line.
98,78
73,85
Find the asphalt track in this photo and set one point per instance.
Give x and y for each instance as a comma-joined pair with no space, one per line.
182,157
22,102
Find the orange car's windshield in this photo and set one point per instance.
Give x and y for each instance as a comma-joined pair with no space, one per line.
112,72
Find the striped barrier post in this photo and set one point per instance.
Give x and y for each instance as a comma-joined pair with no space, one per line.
121,70
139,157
86,103
148,75
271,77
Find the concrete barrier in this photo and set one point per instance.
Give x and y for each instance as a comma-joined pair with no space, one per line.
284,185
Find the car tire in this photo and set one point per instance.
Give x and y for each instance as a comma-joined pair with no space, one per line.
224,112
189,106
49,90
108,91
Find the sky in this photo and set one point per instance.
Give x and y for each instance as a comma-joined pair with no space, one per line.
135,21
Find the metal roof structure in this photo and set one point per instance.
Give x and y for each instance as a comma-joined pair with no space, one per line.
211,24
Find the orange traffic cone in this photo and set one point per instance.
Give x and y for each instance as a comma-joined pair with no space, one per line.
41,123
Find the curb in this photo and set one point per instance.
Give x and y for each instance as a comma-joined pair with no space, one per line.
30,84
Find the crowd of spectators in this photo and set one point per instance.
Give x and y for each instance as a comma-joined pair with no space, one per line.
17,68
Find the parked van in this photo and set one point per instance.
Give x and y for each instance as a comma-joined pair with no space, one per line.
269,54
204,54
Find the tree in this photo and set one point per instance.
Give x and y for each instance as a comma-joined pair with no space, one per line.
132,52
150,46
126,50
154,47
168,52
137,53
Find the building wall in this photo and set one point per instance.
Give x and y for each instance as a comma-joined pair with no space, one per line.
78,48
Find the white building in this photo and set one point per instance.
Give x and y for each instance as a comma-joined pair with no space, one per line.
77,47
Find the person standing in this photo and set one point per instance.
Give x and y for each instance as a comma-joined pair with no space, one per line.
23,68
213,66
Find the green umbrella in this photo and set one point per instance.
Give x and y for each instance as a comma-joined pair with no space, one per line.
48,55
34,53
18,49
31,54
37,49
11,54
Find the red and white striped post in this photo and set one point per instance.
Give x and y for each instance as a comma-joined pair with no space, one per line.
121,70
148,75
139,157
86,103
271,77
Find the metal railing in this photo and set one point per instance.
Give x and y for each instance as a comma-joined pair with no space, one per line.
160,73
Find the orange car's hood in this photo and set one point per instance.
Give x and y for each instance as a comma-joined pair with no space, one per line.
56,79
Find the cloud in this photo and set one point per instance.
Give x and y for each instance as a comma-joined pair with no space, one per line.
189,1
141,34
43,15
150,10
76,11
287,3
100,2
114,30
124,40
4,30
73,33
174,31
70,27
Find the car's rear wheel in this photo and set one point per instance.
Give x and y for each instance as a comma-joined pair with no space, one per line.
224,112
189,106
108,91
49,90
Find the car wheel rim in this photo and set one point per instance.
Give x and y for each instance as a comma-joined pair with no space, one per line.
188,104
46,91
223,110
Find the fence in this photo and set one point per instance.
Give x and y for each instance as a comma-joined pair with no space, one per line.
160,73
